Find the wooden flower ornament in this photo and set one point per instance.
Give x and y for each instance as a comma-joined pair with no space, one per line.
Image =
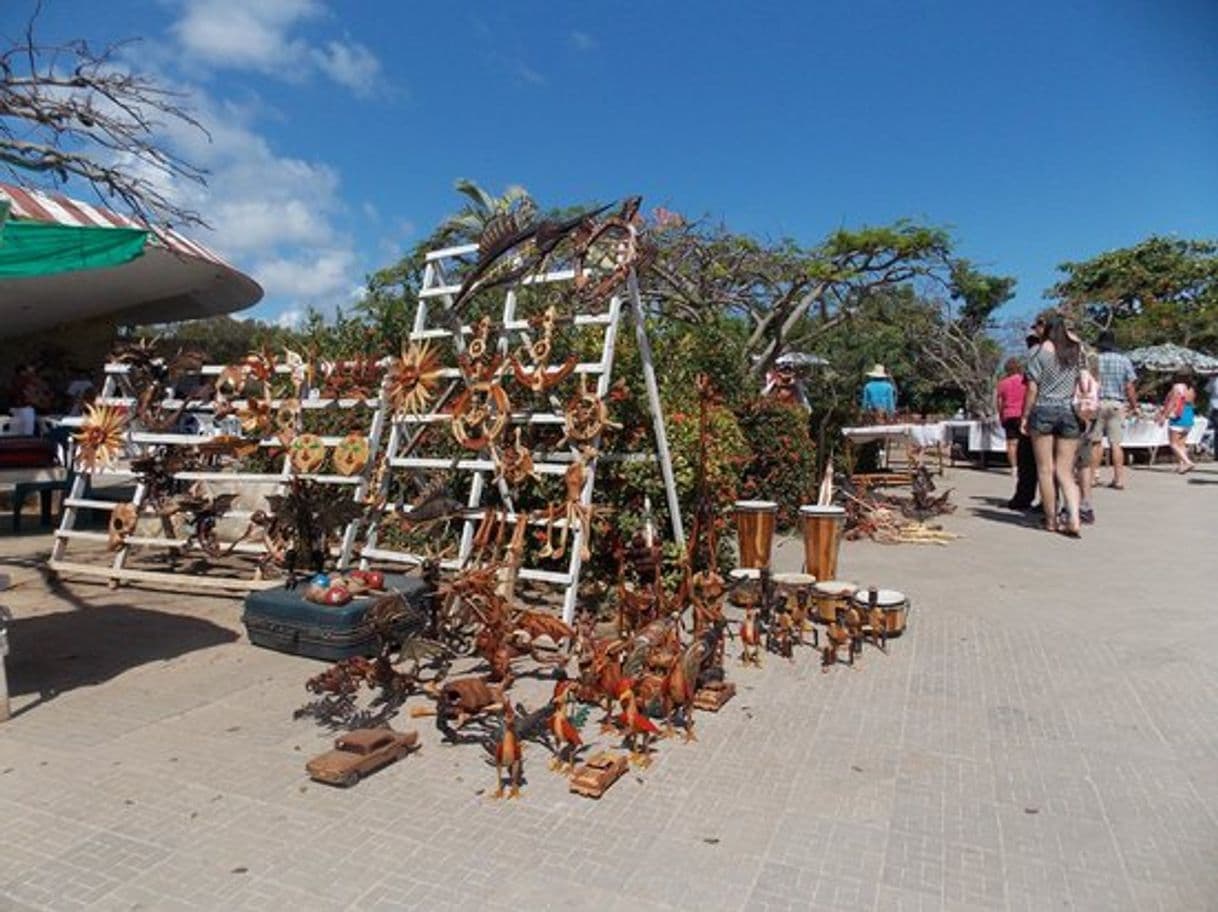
100,438
412,379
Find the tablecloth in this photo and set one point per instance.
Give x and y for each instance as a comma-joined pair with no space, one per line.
1140,433
922,435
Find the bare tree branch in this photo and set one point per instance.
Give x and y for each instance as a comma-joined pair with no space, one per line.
69,112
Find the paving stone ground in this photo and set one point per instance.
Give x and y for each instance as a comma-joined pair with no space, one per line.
1043,737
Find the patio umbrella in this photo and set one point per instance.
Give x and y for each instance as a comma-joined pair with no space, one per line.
800,359
1169,357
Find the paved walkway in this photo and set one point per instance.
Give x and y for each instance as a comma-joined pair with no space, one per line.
1043,737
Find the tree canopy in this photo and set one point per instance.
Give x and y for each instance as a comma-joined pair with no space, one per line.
1160,290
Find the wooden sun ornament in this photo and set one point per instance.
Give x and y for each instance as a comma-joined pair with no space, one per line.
413,378
100,438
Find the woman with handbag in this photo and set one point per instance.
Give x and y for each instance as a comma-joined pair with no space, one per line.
1179,410
1049,417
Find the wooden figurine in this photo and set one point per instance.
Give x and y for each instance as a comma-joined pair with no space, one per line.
639,729
602,770
750,637
836,637
508,754
567,741
712,697
680,688
360,752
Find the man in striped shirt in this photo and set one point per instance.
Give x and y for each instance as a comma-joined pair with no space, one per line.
1117,390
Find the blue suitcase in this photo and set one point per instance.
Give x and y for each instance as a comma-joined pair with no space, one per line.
281,619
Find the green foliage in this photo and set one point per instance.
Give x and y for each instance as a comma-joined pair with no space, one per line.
782,457
1159,290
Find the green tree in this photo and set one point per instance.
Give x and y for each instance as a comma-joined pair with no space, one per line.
789,295
469,223
1159,290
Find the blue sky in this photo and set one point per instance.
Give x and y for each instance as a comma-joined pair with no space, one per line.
1038,131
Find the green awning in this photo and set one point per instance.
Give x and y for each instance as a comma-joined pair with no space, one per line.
43,248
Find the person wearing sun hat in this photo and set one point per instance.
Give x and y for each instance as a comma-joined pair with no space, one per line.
879,392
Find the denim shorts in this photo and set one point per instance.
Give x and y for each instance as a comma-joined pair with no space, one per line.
1056,419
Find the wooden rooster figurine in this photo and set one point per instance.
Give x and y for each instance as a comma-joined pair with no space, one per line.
636,725
608,672
567,741
750,638
508,754
680,687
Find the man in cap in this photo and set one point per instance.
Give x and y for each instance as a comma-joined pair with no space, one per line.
879,392
1117,390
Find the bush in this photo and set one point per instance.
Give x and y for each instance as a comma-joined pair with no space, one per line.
782,457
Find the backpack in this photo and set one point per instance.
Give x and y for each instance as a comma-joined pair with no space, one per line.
1086,397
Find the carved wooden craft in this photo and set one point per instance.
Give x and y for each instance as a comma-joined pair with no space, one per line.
595,776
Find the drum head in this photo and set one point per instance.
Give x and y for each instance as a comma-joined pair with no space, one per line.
836,588
885,598
756,506
745,573
794,579
816,510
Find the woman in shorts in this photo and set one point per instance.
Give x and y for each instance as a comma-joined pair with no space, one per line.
1049,417
1008,403
1179,409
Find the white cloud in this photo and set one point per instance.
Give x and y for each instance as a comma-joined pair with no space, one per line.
322,278
273,216
289,319
261,35
582,41
351,65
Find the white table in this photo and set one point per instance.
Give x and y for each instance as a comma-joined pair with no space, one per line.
917,437
1140,434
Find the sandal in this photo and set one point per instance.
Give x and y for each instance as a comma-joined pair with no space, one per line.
1115,486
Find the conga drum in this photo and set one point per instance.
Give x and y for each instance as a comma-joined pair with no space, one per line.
894,604
822,529
755,529
831,596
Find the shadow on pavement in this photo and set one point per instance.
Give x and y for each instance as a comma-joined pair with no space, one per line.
995,510
90,644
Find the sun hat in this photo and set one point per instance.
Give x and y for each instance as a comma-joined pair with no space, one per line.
877,371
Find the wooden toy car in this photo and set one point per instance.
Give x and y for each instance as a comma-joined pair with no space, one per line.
711,697
359,752
602,770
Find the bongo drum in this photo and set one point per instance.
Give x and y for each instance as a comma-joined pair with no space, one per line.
894,604
822,527
745,586
830,597
788,583
755,529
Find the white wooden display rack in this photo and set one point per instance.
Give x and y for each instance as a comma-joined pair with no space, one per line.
117,392
437,286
